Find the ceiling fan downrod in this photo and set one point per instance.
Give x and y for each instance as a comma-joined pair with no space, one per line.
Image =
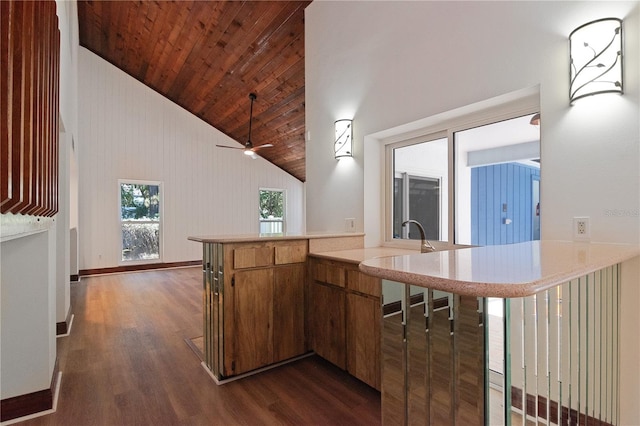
253,97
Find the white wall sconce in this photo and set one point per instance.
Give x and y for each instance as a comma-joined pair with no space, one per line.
595,50
344,138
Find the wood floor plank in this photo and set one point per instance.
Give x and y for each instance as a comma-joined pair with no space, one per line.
126,363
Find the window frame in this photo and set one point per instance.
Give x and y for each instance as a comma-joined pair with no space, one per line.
390,175
160,221
447,128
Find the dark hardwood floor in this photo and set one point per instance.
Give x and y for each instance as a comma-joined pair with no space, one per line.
126,363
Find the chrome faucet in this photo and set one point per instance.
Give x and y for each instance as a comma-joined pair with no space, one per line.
425,246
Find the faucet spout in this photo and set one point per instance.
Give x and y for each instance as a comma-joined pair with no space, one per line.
425,246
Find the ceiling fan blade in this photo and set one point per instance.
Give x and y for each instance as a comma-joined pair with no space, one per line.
266,145
231,147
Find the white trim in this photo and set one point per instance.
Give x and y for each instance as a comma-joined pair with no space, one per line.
68,328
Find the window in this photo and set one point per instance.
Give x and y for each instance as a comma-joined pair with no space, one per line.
467,184
140,214
420,170
272,211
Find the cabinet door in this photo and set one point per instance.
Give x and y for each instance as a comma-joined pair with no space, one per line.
253,316
363,338
288,312
327,322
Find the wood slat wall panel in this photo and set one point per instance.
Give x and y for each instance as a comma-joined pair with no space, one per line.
23,179
38,140
6,87
31,41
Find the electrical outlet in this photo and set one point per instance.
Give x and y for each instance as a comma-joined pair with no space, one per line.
350,224
581,229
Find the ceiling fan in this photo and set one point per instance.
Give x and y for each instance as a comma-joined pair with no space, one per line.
249,149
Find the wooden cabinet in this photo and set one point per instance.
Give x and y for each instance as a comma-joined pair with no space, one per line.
288,312
253,317
344,317
267,301
263,305
363,338
327,330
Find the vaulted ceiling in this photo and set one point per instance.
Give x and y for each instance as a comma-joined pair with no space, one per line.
207,56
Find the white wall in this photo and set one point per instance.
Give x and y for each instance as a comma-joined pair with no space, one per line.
386,64
63,248
410,60
69,40
128,131
27,295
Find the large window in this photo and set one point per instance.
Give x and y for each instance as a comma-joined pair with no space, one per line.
272,211
140,220
469,184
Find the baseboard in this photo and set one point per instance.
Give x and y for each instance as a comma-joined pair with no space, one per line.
30,403
63,327
539,410
133,268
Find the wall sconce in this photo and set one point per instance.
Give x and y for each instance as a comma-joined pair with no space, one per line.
344,137
595,50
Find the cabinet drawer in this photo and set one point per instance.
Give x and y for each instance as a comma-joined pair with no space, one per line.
328,272
252,257
362,283
291,253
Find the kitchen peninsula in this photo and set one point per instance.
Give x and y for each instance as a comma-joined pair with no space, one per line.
553,307
271,298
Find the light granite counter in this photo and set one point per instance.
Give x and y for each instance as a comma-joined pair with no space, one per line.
244,238
514,270
359,255
317,242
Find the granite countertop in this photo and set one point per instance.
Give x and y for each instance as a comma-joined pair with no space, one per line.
356,256
244,238
514,270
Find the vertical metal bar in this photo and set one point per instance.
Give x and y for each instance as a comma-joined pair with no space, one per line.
536,357
579,331
617,399
600,369
523,361
570,349
560,314
548,361
607,345
406,310
588,349
487,357
506,368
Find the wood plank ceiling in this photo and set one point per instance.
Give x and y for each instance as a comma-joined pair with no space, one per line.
207,56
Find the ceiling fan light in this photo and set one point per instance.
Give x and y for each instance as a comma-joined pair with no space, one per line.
248,152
